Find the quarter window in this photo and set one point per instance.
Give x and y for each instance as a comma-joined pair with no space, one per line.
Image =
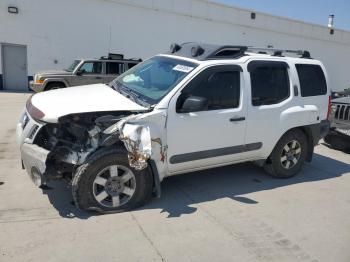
92,68
312,80
269,82
219,85
113,68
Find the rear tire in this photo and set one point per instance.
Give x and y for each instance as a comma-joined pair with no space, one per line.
106,183
288,156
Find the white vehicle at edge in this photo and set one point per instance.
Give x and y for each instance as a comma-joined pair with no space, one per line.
196,107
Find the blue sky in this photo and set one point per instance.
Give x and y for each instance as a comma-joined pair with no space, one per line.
313,11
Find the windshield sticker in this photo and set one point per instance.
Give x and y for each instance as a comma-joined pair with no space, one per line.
183,68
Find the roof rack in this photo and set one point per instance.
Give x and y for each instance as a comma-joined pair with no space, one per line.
112,56
207,52
279,52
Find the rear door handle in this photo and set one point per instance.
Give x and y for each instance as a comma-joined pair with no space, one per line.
237,119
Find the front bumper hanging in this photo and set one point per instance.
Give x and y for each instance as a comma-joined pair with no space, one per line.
34,161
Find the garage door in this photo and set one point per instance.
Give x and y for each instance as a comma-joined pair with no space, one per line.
14,62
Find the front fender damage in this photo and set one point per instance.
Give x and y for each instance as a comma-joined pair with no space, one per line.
138,141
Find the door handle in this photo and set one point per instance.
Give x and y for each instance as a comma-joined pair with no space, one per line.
98,77
237,119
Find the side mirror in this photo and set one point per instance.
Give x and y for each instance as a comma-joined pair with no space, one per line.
194,104
80,72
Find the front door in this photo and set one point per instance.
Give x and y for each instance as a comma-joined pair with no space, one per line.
90,72
14,62
215,134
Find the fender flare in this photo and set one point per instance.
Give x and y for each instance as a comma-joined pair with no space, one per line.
50,80
313,136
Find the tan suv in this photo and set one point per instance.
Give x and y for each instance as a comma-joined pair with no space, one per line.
83,72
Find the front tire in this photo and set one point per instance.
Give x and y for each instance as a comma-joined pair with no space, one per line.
54,85
107,183
288,156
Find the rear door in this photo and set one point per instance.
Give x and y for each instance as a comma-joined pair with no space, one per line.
269,101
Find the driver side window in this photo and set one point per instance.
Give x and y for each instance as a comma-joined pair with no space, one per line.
218,87
91,68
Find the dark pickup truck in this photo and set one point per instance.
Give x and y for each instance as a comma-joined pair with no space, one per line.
339,135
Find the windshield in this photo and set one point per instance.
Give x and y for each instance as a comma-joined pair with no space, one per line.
151,80
73,66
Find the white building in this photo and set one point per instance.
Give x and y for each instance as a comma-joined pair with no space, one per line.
49,34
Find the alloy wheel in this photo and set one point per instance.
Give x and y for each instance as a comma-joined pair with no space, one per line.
114,186
290,155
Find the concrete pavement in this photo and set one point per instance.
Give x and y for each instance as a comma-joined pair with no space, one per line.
234,213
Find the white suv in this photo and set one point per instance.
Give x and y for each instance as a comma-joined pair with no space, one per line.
193,108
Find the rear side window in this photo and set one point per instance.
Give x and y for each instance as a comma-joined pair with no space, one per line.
312,80
113,68
269,82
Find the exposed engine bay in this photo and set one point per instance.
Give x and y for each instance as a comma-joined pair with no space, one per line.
77,136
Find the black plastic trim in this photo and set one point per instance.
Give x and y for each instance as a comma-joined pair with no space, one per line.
157,187
193,156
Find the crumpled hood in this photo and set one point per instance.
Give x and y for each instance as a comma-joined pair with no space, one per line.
81,99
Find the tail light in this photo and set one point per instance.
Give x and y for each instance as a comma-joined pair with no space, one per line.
34,112
329,107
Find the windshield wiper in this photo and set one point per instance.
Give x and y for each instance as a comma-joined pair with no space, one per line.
127,92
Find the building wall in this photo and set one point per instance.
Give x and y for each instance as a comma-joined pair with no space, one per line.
56,32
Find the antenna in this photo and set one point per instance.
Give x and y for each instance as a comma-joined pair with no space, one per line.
110,39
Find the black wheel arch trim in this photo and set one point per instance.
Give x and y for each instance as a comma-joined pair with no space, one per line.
156,181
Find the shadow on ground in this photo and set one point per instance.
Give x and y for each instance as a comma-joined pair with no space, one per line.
179,193
345,150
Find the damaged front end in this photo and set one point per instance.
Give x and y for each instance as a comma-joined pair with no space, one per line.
59,149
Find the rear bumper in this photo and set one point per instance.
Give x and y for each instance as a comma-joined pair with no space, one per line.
324,128
318,131
34,162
